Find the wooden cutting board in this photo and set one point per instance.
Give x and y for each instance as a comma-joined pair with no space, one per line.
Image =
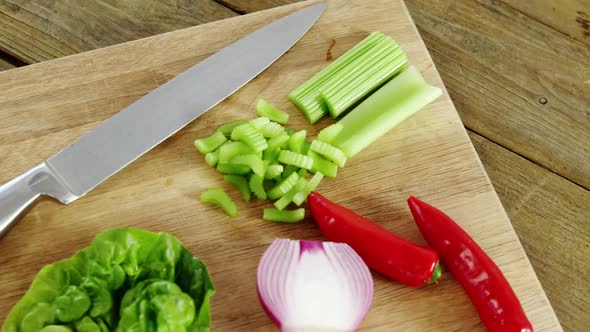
46,106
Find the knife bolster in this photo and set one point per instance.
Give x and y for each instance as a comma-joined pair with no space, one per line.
18,195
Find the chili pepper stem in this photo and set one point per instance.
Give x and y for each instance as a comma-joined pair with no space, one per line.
436,274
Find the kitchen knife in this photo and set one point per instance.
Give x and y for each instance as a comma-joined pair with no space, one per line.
127,135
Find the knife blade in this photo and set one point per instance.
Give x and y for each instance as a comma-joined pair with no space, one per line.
127,135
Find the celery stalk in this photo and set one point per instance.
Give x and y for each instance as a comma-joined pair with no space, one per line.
252,161
274,144
231,149
310,186
273,171
340,96
322,165
395,101
272,129
266,110
283,186
289,169
260,122
296,159
240,183
286,216
328,134
211,143
229,168
329,152
297,140
220,198
212,158
256,187
307,97
288,197
248,134
227,128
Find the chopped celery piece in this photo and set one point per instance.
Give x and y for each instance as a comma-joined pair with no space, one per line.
229,168
212,158
274,144
329,152
211,143
260,122
314,182
297,140
328,134
302,173
266,110
283,186
401,97
272,129
221,198
282,202
231,149
249,135
252,162
289,169
352,84
278,142
305,147
240,183
273,171
288,197
289,131
256,187
296,159
310,186
286,216
322,165
301,196
227,128
307,95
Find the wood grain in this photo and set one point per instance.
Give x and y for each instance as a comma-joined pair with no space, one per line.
39,30
430,155
550,215
527,92
572,17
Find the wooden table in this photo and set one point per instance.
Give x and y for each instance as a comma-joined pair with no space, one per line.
518,73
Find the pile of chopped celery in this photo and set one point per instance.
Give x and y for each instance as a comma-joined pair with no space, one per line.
350,78
261,158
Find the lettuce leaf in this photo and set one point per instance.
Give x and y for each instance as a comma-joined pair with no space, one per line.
126,280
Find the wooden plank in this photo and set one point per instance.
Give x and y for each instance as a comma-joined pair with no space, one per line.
39,30
250,6
49,105
525,87
572,17
550,215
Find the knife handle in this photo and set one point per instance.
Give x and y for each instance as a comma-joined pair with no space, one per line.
19,194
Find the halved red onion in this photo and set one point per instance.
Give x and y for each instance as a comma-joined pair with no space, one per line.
314,286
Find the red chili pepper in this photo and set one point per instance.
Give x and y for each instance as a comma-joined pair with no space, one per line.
383,251
481,278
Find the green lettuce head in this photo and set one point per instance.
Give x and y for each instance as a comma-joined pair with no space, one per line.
127,280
